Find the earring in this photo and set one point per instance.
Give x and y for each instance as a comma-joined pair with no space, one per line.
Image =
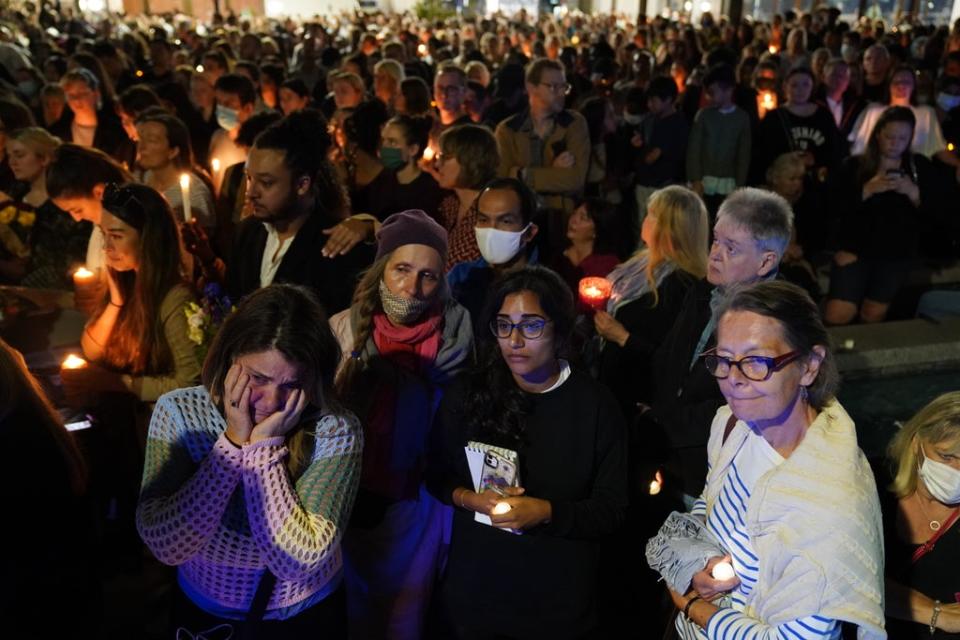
805,394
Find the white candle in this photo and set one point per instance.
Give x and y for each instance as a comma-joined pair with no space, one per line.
185,195
82,276
723,571
215,165
500,508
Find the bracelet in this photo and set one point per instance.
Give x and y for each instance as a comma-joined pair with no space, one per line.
686,609
463,492
933,618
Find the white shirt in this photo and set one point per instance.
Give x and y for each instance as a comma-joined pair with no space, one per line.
927,135
564,374
273,254
95,260
83,134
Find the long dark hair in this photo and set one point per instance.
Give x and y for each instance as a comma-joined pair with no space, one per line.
870,163
290,319
28,418
496,408
137,343
76,170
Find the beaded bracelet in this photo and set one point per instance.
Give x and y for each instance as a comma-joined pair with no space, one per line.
933,618
686,609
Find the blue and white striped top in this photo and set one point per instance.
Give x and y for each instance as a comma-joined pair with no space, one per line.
727,522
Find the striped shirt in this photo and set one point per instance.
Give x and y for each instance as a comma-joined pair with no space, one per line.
727,522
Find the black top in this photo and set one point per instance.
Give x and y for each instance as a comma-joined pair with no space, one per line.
422,193
541,583
333,279
934,575
376,197
888,224
628,370
687,396
782,131
108,137
670,135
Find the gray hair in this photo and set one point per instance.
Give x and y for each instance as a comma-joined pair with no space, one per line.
766,215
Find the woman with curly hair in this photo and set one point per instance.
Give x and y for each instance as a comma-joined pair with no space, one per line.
534,573
403,340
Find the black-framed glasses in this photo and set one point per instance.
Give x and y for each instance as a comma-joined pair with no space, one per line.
530,328
756,368
558,87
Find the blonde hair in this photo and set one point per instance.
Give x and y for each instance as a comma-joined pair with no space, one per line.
40,141
682,235
936,423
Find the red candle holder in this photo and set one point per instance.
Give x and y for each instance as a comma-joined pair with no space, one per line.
594,292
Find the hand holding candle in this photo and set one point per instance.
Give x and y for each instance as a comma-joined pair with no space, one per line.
594,292
723,571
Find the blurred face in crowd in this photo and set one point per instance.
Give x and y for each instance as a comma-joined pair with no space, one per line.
27,165
391,137
83,207
788,182
894,139
549,95
448,170
153,147
272,379
121,243
232,101
53,106
876,61
721,95
291,101
449,92
741,334
414,271
81,99
798,89
837,78
581,226
345,95
213,69
201,91
385,86
736,256
902,85
272,192
532,361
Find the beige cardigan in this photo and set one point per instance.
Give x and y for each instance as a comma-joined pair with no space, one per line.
815,524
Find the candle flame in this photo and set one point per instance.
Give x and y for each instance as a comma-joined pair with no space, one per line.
422,49
500,508
185,181
429,153
199,68
593,292
772,48
83,273
74,361
215,165
950,146
656,484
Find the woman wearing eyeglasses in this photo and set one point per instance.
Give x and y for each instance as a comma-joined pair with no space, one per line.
789,495
534,573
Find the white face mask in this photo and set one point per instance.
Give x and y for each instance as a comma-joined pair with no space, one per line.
633,119
498,247
942,480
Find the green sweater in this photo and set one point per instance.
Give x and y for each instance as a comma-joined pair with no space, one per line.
719,145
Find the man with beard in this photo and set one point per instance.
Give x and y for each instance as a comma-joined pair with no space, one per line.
293,196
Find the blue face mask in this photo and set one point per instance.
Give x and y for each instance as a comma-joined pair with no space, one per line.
227,118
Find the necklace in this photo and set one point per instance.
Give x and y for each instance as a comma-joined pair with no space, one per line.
934,524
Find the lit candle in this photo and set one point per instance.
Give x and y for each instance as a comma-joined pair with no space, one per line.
723,571
772,48
595,292
74,361
82,276
422,50
185,195
429,154
767,101
656,484
215,165
950,146
500,508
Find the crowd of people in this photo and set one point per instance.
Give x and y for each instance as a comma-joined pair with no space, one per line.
342,370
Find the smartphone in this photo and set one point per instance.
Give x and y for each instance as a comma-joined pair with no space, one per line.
498,473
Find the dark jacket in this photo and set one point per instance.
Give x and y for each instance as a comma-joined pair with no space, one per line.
109,136
687,397
333,279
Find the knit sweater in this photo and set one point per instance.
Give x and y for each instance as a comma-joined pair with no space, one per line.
224,514
814,522
719,145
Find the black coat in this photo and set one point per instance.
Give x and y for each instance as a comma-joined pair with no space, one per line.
109,136
333,279
687,396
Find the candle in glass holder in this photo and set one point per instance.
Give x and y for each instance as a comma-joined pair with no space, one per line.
594,292
86,288
82,276
723,571
185,195
73,361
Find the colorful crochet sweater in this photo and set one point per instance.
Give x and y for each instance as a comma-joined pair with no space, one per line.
223,514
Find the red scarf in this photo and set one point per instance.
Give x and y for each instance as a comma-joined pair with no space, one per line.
415,347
